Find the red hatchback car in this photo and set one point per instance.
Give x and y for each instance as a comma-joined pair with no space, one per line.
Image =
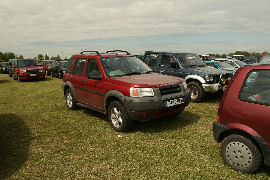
23,69
122,87
243,121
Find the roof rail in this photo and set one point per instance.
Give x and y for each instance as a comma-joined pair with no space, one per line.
115,51
91,52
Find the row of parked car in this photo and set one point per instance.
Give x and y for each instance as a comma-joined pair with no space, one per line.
126,89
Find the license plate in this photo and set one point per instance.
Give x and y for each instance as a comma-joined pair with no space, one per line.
33,75
174,102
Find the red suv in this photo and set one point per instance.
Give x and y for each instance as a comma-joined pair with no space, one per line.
243,121
47,64
27,69
122,87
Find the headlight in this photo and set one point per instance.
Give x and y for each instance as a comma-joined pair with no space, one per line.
64,72
23,71
141,92
209,78
41,70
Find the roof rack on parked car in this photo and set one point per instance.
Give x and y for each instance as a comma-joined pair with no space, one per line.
115,51
91,52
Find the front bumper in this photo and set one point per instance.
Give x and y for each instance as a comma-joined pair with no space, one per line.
212,87
32,76
147,108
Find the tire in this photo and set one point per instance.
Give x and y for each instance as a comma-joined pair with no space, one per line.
240,153
196,91
70,100
19,79
118,117
60,75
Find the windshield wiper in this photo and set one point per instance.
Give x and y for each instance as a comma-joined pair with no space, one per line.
147,72
132,73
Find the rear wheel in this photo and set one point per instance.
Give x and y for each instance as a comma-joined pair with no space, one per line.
196,90
240,153
70,100
118,117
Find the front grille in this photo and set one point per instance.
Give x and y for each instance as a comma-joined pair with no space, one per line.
32,71
216,79
170,89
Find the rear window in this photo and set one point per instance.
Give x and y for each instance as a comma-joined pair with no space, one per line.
256,88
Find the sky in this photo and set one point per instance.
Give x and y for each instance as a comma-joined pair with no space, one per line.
66,27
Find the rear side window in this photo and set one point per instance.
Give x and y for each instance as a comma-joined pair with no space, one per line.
70,63
79,67
256,88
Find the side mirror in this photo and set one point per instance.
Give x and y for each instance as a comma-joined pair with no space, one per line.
14,66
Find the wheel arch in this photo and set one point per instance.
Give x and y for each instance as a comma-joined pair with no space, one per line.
110,96
190,78
67,86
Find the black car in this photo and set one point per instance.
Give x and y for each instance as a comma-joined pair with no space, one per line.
10,64
199,78
4,67
58,69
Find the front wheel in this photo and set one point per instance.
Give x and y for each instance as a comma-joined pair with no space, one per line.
240,153
70,100
118,117
196,90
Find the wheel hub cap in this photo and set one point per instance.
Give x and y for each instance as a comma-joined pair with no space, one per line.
238,154
69,100
116,117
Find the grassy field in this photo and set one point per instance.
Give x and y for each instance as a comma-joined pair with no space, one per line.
41,139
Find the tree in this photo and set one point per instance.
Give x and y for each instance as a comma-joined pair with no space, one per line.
46,57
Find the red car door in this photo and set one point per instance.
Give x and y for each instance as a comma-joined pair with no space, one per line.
93,80
77,79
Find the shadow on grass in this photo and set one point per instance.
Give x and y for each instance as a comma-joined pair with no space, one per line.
213,97
157,125
3,81
265,169
14,144
166,123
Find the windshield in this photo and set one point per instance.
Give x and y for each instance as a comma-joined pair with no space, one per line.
122,66
63,64
225,65
193,60
49,62
240,63
25,63
4,64
265,58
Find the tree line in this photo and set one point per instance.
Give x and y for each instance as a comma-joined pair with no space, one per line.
5,56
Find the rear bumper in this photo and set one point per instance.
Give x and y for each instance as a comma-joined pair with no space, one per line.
218,129
147,108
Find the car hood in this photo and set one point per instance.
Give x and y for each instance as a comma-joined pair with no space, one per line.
31,68
206,70
148,80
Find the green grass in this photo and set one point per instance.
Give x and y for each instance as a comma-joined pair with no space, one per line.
41,139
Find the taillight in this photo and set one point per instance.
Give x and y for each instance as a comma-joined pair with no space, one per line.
218,119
